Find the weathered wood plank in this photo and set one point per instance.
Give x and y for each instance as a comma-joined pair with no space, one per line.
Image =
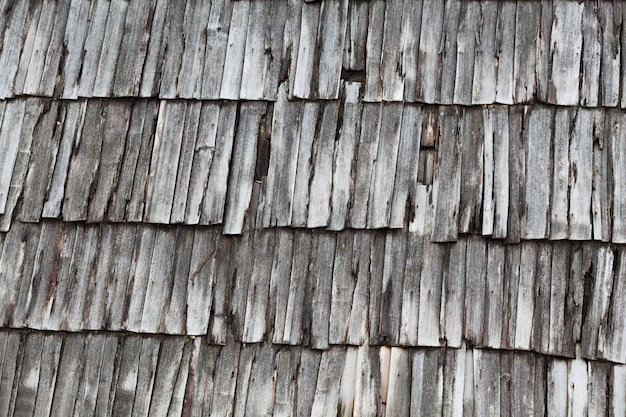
124,392
591,55
384,166
306,64
610,337
486,64
557,386
235,52
173,49
467,44
411,28
302,245
559,339
525,61
70,372
201,279
243,162
611,23
475,288
174,308
494,295
326,397
319,290
330,44
447,181
601,194
559,203
146,370
392,285
501,173
287,364
525,306
577,387
75,34
618,159
255,58
27,45
189,77
399,389
343,288
275,44
517,176
308,372
225,378
279,283
454,381
367,397
373,89
429,332
94,42
217,185
538,167
410,303
354,53
111,45
473,164
138,284
392,71
566,45
363,248
544,53
540,338
505,44
10,137
487,376
579,285
260,399
13,42
344,156
581,176
429,50
170,363
218,29
322,168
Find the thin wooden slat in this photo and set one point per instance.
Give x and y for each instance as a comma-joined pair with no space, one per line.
99,281
560,180
538,167
410,306
566,48
429,332
319,289
193,59
174,313
525,303
279,282
610,337
354,53
178,392
185,163
146,370
581,172
128,375
72,128
411,28
473,147
111,45
368,381
48,369
486,382
287,364
26,389
150,79
376,272
617,379
524,65
115,130
454,380
598,388
467,44
454,294
94,42
347,387
384,167
494,293
234,58
557,387
559,339
447,182
84,164
392,285
27,44
505,41
517,176
10,141
297,288
591,55
577,387
365,250
540,338
133,48
303,83
447,49
344,156
243,161
275,40
501,174
137,285
543,50
429,61
322,169
579,284
225,378
610,22
373,89
427,384
601,194
523,372
475,288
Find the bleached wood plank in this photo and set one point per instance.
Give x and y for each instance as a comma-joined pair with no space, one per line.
522,375
283,163
367,390
152,64
494,314
75,34
473,148
83,168
577,390
525,305
618,159
256,58
275,42
218,28
279,283
133,48
410,302
448,48
366,155
343,288
557,387
310,119
138,284
373,90
505,41
322,169
544,52
538,167
475,287
307,63
429,48
517,176
13,42
174,33
488,176
467,42
233,61
559,339
392,70
327,390
174,309
319,289
28,374
447,181
201,280
591,55
27,45
73,123
225,378
431,382
171,361
566,45
260,399
246,358
376,271
10,137
524,65
127,376
501,173
291,45
344,156
243,161
411,28
486,64
333,21
146,370
403,202
610,22
392,285
399,390
185,163
454,381
193,59
384,166
302,245
354,53
617,379
19,177
307,381
581,176
610,336
111,45
114,132
94,42
286,372
601,194
560,180
216,187
429,332
486,382
540,339
359,322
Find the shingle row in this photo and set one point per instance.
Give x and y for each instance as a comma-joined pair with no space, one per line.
457,52
317,288
77,374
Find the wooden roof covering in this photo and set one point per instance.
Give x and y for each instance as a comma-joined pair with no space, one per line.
312,208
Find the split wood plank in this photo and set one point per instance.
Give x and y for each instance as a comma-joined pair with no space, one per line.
343,288
384,166
256,58
610,336
505,44
538,166
410,303
602,195
501,173
75,35
10,137
308,374
486,64
486,382
218,28
392,286
128,373
13,42
447,181
367,396
429,50
137,285
560,341
359,323
557,386
399,390
429,332
373,89
525,61
152,64
354,53
561,177
591,55
94,42
174,48
474,170
454,381
326,397
344,156
610,22
566,49
391,61
467,49
540,338
411,28
171,361
175,307
27,44
146,370
225,379
260,398
448,48
475,289
287,364
302,246
133,48
69,371
275,45
319,289
618,159
189,77
544,51
307,61
322,168
279,283
376,271
517,176
577,387
111,45
494,294
217,185
243,161
200,281
235,52
581,175
525,303
331,38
